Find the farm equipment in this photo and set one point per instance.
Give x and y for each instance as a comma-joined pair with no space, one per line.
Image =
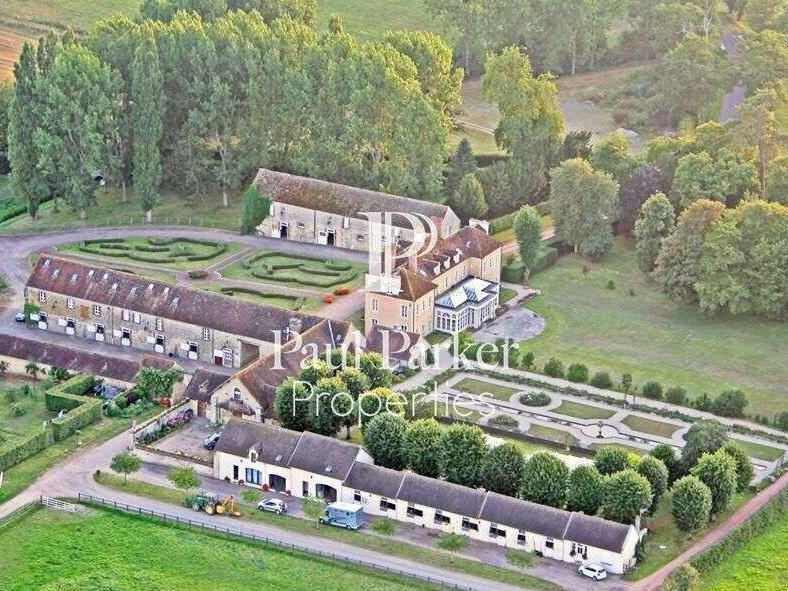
205,502
228,506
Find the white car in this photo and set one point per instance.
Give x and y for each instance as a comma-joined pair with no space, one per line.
272,505
593,571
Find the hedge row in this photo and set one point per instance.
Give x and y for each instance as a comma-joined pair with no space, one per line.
12,212
319,271
310,282
502,223
100,240
147,248
83,410
338,265
169,241
263,255
232,290
24,449
127,253
547,258
513,272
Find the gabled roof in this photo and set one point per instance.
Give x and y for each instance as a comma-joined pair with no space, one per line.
377,480
203,384
399,344
160,363
539,519
338,199
324,455
454,250
412,286
239,436
440,494
596,532
76,360
192,306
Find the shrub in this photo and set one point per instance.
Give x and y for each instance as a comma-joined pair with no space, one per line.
547,257
327,299
718,472
611,285
601,379
18,409
341,291
513,272
520,558
198,274
452,542
730,403
577,373
535,399
652,390
24,449
504,421
527,362
684,578
554,368
384,526
676,395
625,494
121,401
251,496
611,459
691,503
703,402
781,421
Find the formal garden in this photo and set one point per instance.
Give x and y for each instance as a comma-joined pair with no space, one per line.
280,300
175,253
304,272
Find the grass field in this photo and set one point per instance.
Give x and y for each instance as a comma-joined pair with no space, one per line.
552,434
108,550
35,411
653,337
479,387
582,411
761,563
757,450
650,426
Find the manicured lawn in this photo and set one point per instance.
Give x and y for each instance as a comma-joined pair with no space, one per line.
582,411
35,411
506,295
305,304
664,541
479,387
384,544
757,450
653,337
109,550
170,253
761,563
295,271
650,426
552,434
370,19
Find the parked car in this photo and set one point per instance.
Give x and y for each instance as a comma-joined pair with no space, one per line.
273,505
210,441
19,316
593,571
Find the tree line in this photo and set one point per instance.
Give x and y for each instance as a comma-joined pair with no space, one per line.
195,96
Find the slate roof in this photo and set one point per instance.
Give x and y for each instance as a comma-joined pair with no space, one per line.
596,532
239,436
275,446
324,455
203,384
336,198
156,362
71,359
441,495
377,480
192,306
532,517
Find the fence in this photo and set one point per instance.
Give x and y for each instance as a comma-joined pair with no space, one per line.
235,533
17,514
57,504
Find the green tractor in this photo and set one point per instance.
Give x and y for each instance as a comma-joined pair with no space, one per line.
203,501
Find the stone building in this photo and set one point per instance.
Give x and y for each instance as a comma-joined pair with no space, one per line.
97,303
321,212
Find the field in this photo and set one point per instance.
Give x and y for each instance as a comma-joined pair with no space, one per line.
762,564
170,253
650,426
479,387
582,411
651,336
300,272
108,550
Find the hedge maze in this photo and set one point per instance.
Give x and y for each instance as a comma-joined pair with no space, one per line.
157,251
299,271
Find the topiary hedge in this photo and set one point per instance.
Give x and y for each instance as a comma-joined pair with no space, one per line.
82,410
513,272
535,399
22,449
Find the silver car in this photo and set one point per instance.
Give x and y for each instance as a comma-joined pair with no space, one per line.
273,505
593,571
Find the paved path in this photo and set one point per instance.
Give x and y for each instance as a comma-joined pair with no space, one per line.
656,579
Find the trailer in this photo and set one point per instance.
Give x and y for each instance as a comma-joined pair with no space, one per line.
347,515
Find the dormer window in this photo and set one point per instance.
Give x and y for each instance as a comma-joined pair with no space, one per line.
91,273
42,297
74,277
55,273
253,455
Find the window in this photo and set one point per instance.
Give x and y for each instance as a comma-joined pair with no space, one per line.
357,496
305,489
97,310
468,524
206,334
136,318
374,304
237,394
159,324
579,549
252,476
386,505
404,311
496,531
192,347
521,538
42,297
227,357
414,512
235,472
125,315
548,543
441,519
99,329
70,303
374,322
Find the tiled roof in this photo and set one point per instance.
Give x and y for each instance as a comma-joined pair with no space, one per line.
400,344
451,251
377,480
324,455
76,360
413,287
441,495
203,384
525,515
338,199
192,306
156,362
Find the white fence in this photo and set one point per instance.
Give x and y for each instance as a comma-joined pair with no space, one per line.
58,504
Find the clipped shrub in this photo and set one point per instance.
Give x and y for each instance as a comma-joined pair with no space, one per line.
547,257
384,526
341,291
18,409
554,368
534,399
676,395
691,503
578,373
23,449
601,379
652,390
513,272
504,421
730,403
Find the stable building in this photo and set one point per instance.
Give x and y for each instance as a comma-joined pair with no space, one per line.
320,212
101,304
306,464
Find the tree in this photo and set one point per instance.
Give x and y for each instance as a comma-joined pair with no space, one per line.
625,495
374,368
676,395
292,405
32,369
421,447
554,368
762,59
611,155
697,177
147,92
384,438
463,448
684,578
256,208
777,180
577,144
577,373
657,475
462,163
667,455
655,222
744,470
758,127
544,480
611,459
125,463
584,490
6,99
316,370
764,14
645,181
584,203
601,379
678,265
652,390
730,403
705,436
528,231
377,401
157,383
717,471
691,503
4,365
71,146
330,407
531,125
184,478
502,469
469,199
